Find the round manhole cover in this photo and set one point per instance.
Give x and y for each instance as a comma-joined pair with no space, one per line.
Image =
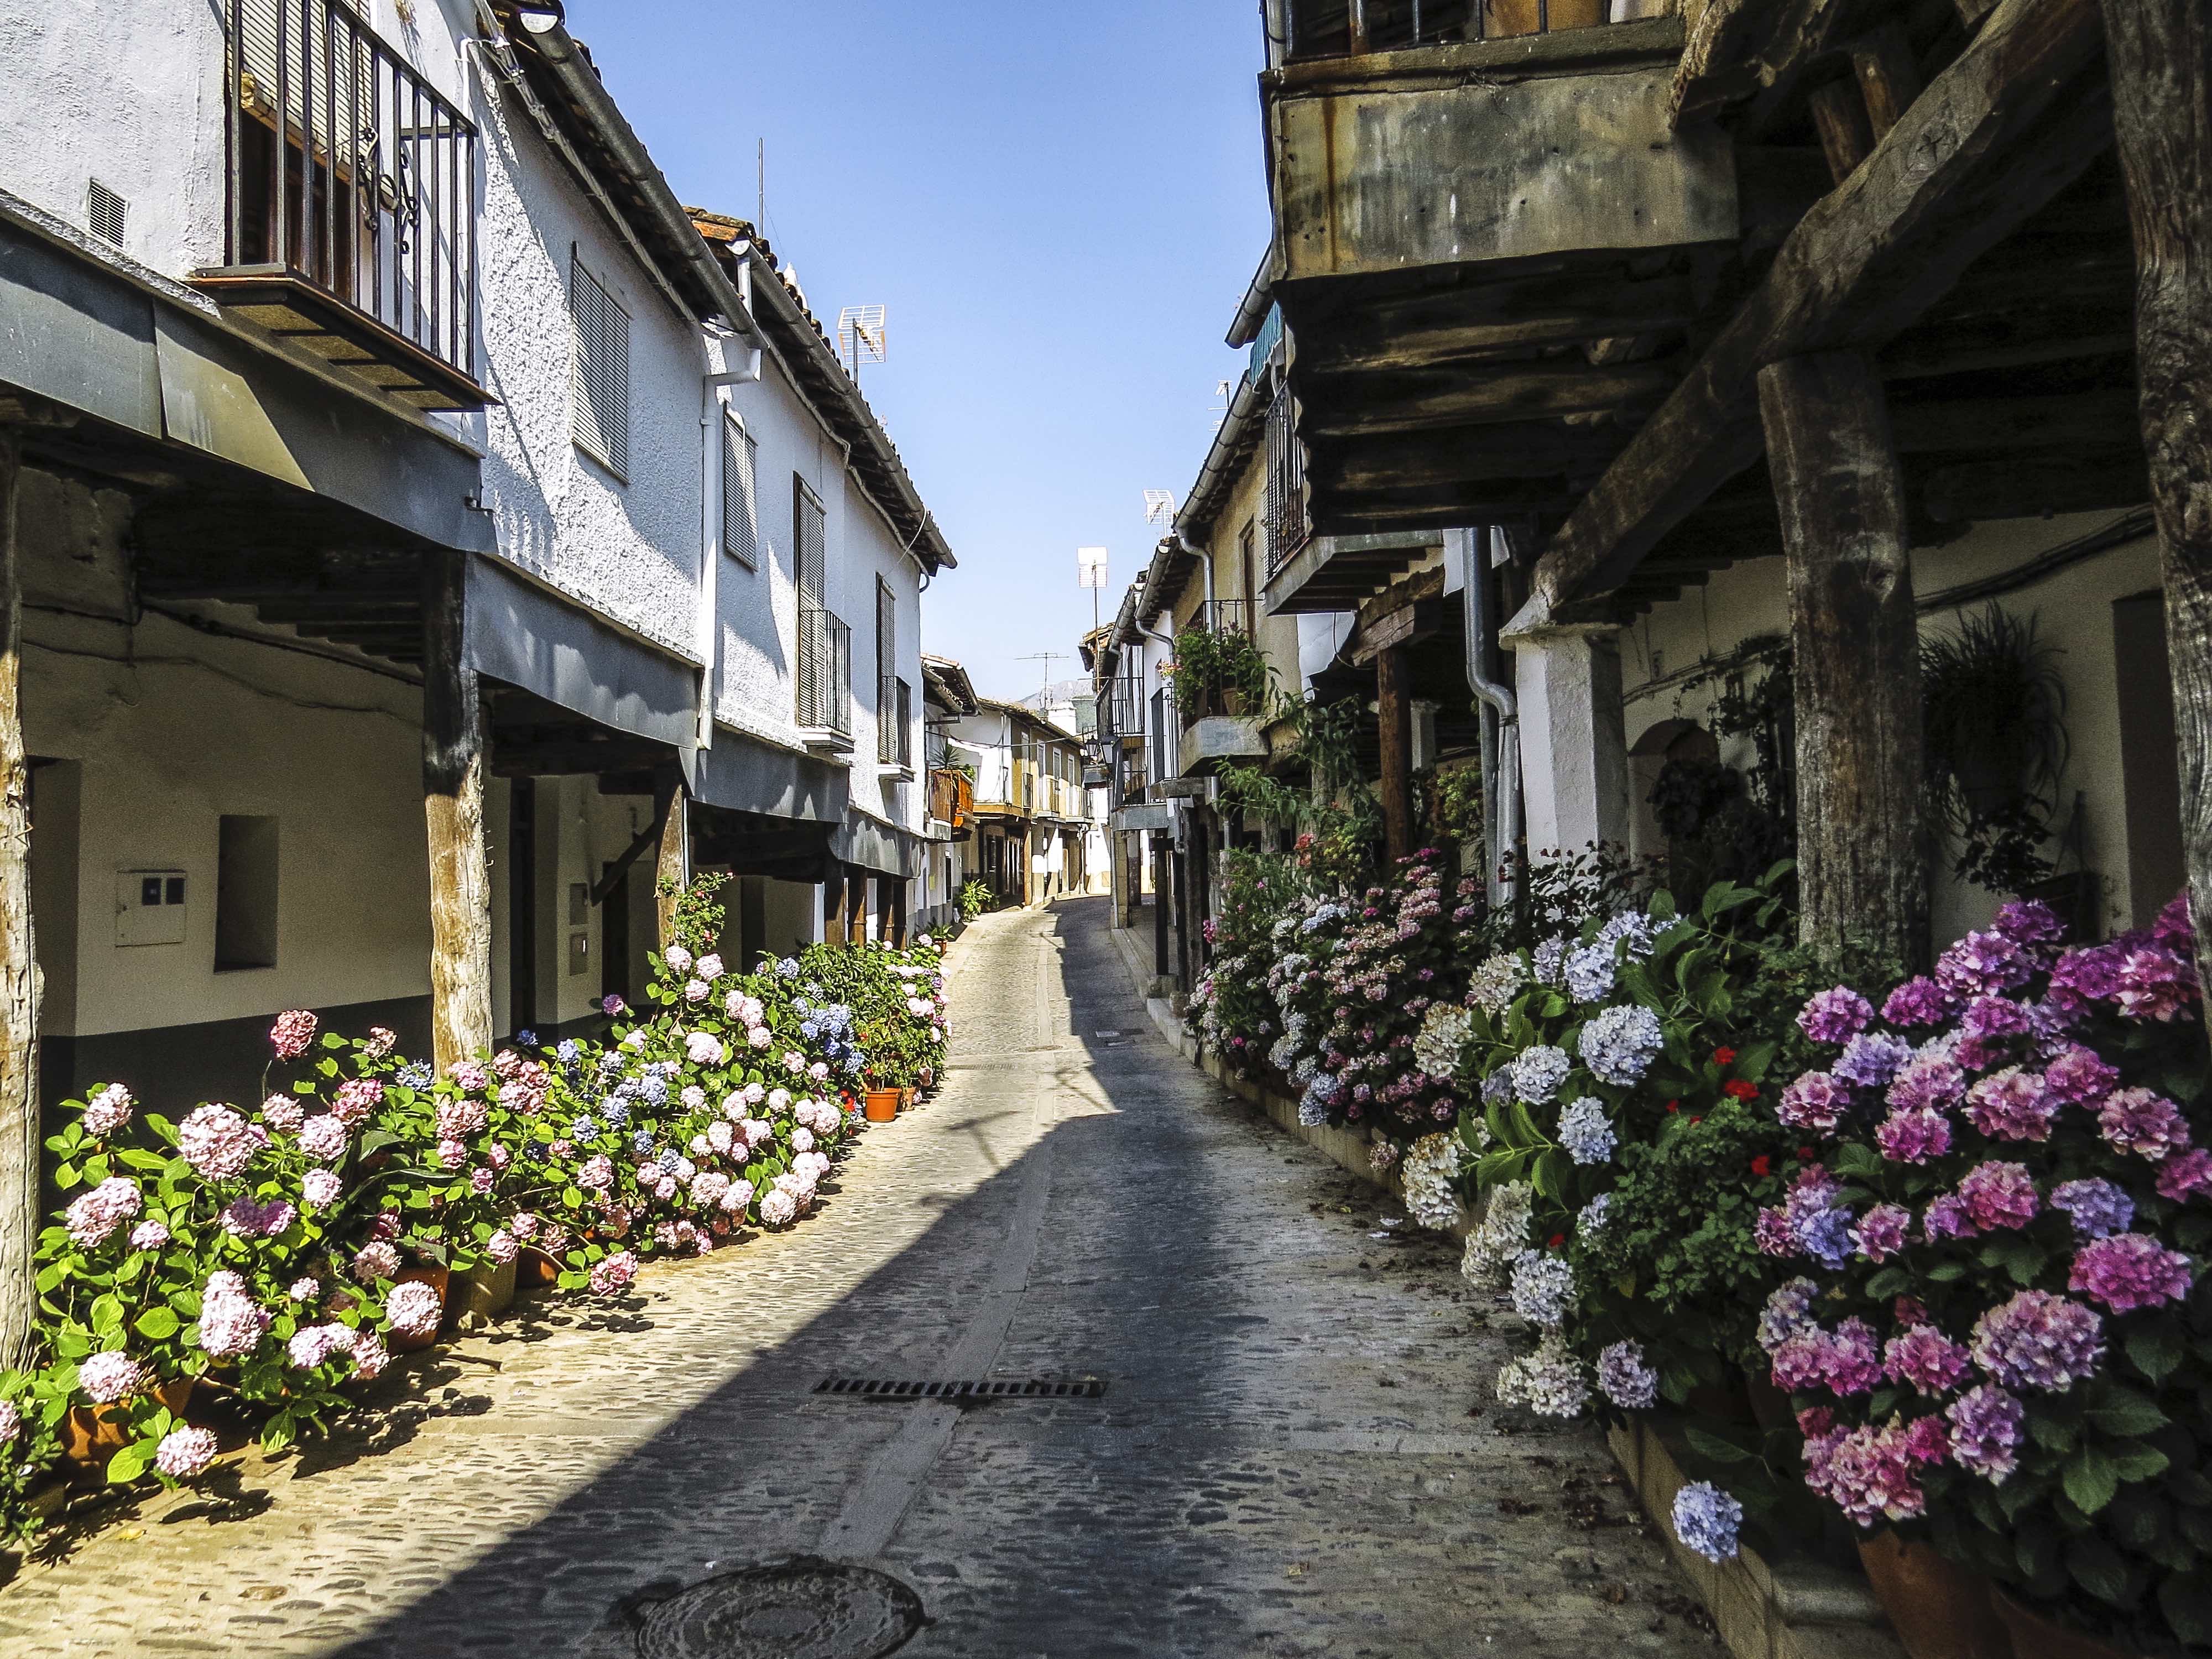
799,1608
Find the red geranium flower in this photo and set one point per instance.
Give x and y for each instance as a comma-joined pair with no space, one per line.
1762,1165
1674,1105
1742,1088
1557,1239
1805,1152
1724,1056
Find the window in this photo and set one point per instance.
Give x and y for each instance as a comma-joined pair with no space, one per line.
740,512
810,538
245,894
889,744
601,381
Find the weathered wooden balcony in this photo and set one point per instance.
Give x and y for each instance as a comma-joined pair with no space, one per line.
350,203
1488,237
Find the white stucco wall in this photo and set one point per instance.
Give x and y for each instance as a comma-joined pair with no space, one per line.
2073,610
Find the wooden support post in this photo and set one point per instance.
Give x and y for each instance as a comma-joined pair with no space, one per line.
1862,848
833,907
2160,53
1393,698
672,869
1839,115
453,804
19,967
1888,76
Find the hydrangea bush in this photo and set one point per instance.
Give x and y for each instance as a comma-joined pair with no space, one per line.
1998,1324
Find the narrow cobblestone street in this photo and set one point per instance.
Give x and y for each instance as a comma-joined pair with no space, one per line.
1290,1437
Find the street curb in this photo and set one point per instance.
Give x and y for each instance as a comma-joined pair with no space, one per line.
1799,1610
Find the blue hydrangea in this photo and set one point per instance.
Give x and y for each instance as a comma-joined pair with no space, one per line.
1825,1236
616,1110
584,1128
1633,928
1625,1379
611,1062
1706,1520
669,1160
640,1141
1543,1285
787,968
568,1052
1320,1094
1590,1221
855,1060
527,1039
1619,1045
1589,972
1549,959
654,1089
1538,1073
810,1030
2099,1208
417,1074
1871,1059
1586,1132
1497,1087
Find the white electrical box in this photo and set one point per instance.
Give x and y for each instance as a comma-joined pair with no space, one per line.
149,906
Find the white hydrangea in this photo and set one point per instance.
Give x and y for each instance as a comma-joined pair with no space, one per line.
1502,1235
1431,1165
1444,1031
1550,1382
1543,1285
1538,1073
1498,982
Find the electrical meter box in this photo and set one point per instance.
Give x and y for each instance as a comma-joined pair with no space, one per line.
149,906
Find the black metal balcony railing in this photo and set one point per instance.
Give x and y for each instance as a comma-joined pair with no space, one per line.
894,722
1226,616
1287,525
1125,704
350,175
825,673
1353,28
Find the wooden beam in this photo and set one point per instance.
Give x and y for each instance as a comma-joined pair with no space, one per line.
2161,70
1840,116
1415,399
1739,47
2010,124
1888,75
19,1140
672,869
1394,697
1861,859
1421,330
2036,486
452,797
2079,422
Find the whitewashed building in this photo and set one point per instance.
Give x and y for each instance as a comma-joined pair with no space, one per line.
391,454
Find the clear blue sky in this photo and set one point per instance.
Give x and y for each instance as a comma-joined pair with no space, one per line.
1060,205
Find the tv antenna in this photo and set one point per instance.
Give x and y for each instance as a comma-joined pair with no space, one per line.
1159,506
861,337
1048,658
1090,573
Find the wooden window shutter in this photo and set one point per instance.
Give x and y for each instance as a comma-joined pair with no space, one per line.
740,509
602,371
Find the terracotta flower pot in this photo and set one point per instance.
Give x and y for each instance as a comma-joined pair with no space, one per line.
93,1434
1938,1609
883,1105
2034,1637
534,1270
439,1279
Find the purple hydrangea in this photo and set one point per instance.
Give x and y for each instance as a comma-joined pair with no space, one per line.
2080,1076
1850,1361
1983,962
1871,1059
1883,1231
1868,1474
2099,1208
1929,1082
2012,1105
1988,1020
1835,1016
1927,1359
1707,1519
1788,1313
1918,1001
1986,1429
2174,925
2029,923
2083,977
1913,1136
1815,1101
2039,1341
2138,1120
2000,1195
2129,1271
2157,984
1625,1379
1946,1217
2184,1174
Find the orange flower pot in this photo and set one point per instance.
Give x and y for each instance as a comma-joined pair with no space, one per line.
2034,1637
883,1105
92,1434
1938,1609
534,1270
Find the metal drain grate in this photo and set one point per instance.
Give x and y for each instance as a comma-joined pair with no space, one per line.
1028,1387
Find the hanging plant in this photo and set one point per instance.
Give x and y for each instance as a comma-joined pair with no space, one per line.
1211,666
1995,733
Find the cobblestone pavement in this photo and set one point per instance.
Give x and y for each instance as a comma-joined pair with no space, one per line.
1297,1454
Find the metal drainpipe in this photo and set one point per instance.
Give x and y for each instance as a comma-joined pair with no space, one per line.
1501,746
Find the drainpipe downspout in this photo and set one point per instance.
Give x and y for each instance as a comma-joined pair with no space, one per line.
1501,717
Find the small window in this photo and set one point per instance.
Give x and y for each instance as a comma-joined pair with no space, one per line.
245,894
740,511
602,371
810,538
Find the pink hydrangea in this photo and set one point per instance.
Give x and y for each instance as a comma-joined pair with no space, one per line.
2150,1125
2157,984
704,1048
315,1345
613,1273
1883,1231
502,1247
186,1453
107,1377
92,1218
1835,1017
2185,1175
1929,1082
377,1259
1868,1474
244,1218
460,1118
524,1225
283,1114
778,1208
356,1100
2000,1195
323,1138
232,1324
370,1356
738,1199
218,1142
2039,1341
1815,1101
149,1235
2012,1105
470,1076
451,1154
294,1030
597,1173
1946,1217
413,1309
2129,1271
321,1189
108,1110
1913,1136
380,1042
481,1180
1927,1359
1927,1440
2079,1076
304,1289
